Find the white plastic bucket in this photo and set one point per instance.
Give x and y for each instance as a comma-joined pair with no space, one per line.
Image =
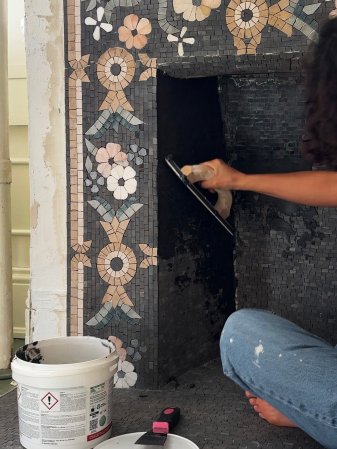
128,440
64,392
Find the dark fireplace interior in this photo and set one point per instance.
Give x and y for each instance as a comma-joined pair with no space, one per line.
283,256
196,278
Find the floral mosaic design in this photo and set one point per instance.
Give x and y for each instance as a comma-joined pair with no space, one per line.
109,158
135,350
246,21
110,5
93,180
181,40
151,64
116,265
134,32
98,24
151,256
126,377
115,71
191,11
137,154
116,262
122,182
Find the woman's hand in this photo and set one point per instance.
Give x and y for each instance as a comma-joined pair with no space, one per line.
311,188
224,177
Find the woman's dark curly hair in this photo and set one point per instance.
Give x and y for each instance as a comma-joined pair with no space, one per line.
319,143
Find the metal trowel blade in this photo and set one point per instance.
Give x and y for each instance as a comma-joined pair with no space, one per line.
152,439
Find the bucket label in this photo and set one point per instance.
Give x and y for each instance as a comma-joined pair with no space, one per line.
64,416
51,401
100,410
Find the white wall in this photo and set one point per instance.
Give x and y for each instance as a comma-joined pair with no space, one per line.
18,148
46,313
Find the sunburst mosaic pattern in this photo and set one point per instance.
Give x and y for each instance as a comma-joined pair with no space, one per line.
247,20
114,48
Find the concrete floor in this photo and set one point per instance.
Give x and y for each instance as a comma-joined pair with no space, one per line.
215,414
5,379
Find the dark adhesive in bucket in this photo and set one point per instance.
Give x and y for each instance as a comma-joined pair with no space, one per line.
64,392
30,353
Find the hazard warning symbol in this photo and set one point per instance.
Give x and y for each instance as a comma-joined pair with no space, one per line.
49,401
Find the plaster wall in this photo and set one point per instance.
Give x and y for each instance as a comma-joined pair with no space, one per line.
46,304
18,150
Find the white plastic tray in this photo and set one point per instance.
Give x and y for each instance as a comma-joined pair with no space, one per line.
128,440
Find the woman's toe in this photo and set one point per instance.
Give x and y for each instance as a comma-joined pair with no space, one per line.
249,394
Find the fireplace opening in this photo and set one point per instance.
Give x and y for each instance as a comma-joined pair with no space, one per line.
196,275
282,259
283,256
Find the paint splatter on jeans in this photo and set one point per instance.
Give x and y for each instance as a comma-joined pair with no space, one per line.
293,370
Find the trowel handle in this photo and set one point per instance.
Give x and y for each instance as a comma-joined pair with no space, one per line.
196,173
170,416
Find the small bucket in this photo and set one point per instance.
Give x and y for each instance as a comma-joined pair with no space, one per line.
64,388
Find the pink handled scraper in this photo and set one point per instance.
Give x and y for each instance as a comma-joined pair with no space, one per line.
157,436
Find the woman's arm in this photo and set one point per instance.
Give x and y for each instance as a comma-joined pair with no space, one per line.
312,188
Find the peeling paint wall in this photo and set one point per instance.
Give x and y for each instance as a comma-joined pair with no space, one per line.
46,303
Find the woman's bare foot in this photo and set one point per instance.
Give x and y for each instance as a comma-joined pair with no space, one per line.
269,413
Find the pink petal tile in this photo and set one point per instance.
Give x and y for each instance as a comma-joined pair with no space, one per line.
129,42
124,33
131,21
113,149
139,41
144,26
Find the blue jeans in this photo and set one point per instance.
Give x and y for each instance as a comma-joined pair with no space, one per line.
293,370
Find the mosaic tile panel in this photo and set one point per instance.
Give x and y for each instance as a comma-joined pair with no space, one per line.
113,51
294,273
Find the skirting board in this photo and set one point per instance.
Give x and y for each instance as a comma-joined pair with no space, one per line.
19,332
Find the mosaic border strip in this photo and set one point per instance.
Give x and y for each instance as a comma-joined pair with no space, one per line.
78,63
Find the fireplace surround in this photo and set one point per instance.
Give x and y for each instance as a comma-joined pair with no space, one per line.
147,267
